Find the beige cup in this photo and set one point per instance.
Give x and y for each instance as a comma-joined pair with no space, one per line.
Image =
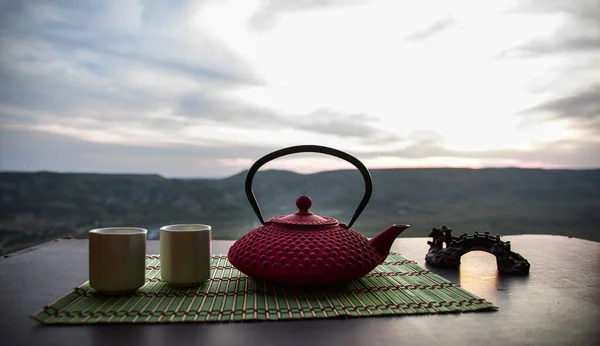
117,259
185,254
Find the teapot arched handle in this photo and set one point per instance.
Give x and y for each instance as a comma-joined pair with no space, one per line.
310,149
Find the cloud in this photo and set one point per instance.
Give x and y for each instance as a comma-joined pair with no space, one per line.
70,63
579,33
583,105
74,57
29,150
581,153
151,33
585,9
270,11
321,121
432,30
152,57
327,121
204,58
227,111
559,45
581,108
577,40
182,81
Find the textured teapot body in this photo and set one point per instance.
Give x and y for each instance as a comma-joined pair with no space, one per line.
296,256
304,248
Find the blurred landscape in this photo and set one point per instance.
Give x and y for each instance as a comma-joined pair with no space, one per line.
38,207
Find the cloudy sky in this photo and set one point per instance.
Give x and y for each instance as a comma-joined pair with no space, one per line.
204,88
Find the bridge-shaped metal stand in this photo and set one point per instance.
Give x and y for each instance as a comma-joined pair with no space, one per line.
449,256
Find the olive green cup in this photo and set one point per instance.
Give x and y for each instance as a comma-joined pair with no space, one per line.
117,259
185,254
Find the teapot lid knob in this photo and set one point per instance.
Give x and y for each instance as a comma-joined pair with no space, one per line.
304,202
304,217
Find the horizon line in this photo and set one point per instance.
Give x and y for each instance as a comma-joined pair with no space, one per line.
225,176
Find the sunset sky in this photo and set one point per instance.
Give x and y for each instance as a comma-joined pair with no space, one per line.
204,88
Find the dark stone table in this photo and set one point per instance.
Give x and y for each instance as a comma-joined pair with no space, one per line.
557,304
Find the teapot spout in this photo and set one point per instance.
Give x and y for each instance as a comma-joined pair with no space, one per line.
383,241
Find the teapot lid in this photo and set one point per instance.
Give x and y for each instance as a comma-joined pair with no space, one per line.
304,217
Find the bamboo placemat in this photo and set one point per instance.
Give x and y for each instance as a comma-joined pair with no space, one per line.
396,287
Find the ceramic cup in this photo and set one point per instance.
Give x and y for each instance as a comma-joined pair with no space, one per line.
117,259
185,254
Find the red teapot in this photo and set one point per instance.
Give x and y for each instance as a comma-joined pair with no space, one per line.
304,248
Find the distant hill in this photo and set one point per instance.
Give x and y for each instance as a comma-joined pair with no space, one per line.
36,207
